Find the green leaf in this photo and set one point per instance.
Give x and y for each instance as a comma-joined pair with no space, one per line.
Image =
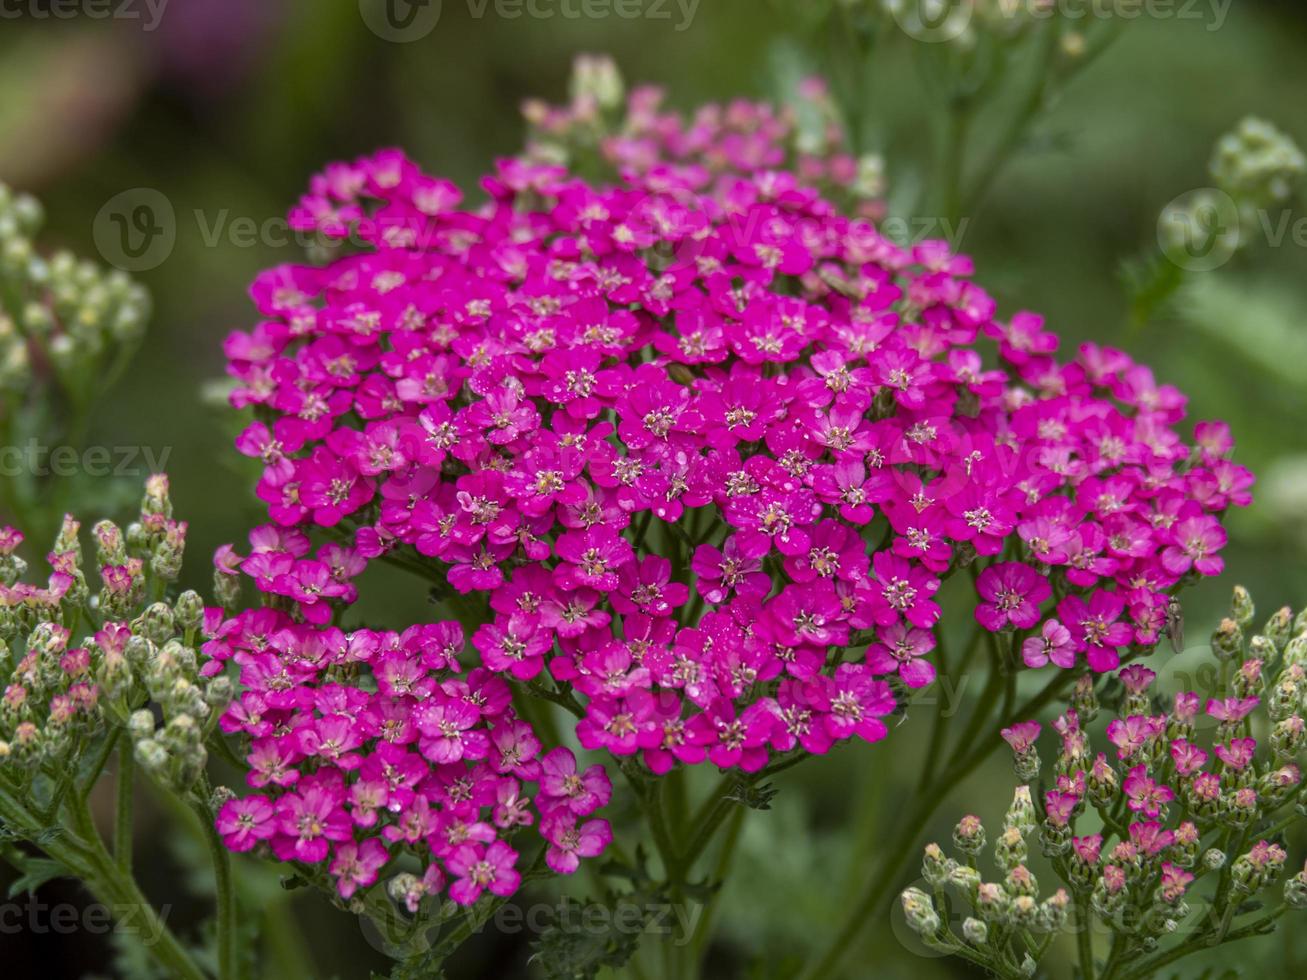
36,872
576,947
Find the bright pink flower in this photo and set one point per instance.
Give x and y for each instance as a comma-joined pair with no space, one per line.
1094,627
478,868
1013,593
356,865
244,822
570,841
1144,795
1053,643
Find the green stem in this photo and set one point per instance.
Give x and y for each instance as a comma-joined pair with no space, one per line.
1029,108
952,152
224,893
709,817
285,943
124,787
1084,941
121,893
897,853
704,929
1149,967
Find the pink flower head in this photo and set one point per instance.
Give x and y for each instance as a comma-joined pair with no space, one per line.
1131,734
902,649
1094,627
638,426
1195,543
1013,593
1145,795
1088,848
1231,710
1237,754
1174,881
356,865
1022,735
570,841
477,868
243,823
1188,758
1053,644
1136,678
1060,807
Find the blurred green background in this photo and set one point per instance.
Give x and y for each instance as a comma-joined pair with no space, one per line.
229,105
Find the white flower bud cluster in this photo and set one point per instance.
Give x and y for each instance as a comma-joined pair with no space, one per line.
63,319
1002,912
1257,164
136,665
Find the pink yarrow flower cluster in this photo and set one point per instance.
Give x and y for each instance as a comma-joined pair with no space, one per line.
426,760
1170,791
704,447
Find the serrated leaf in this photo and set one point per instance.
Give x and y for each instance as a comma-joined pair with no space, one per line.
566,950
36,872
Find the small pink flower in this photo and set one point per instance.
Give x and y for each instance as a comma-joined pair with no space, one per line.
356,865
478,868
569,841
1144,795
1022,735
1052,644
244,822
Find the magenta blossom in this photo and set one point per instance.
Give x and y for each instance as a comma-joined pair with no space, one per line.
1013,593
